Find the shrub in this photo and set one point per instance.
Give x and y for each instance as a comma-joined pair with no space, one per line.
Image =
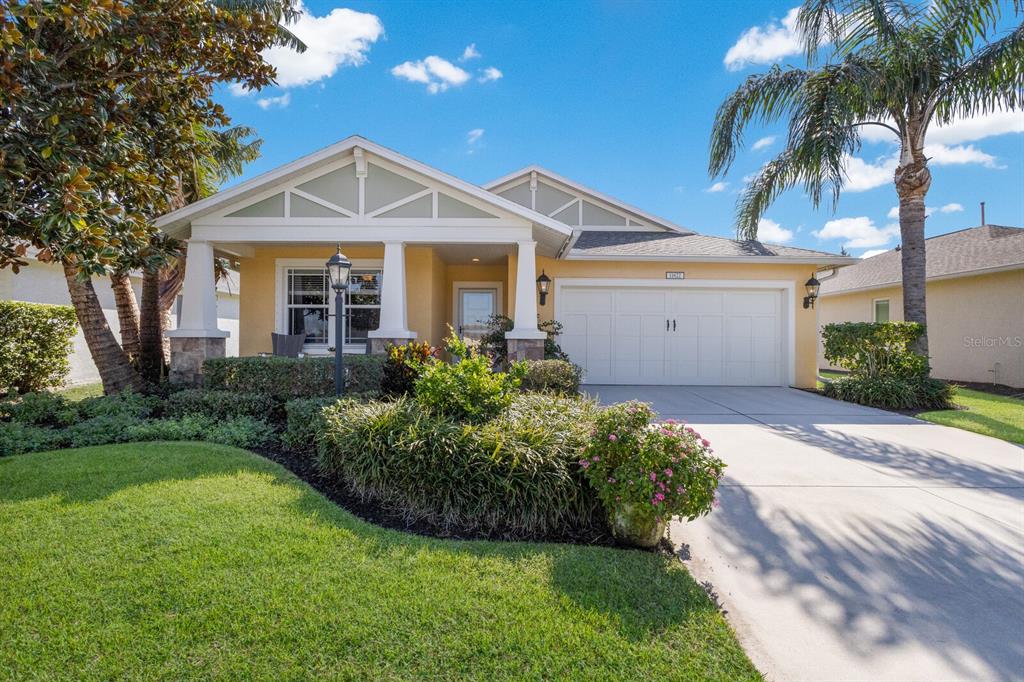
40,408
892,393
494,343
304,423
101,430
221,405
125,404
17,437
35,343
515,475
659,470
467,390
403,366
287,378
875,349
551,376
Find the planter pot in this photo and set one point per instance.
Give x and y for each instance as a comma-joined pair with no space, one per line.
639,530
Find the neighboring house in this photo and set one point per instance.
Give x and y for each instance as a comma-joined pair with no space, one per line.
974,295
642,300
44,283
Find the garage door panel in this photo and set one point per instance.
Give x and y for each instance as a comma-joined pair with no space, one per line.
728,337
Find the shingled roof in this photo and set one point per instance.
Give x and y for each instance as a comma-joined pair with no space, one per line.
961,253
621,244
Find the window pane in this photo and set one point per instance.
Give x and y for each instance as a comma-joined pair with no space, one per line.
881,311
307,287
361,321
311,321
364,287
477,306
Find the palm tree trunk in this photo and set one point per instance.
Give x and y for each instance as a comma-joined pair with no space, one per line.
116,372
127,314
172,278
912,182
151,328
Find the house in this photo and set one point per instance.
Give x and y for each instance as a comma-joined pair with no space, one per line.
642,300
40,282
974,294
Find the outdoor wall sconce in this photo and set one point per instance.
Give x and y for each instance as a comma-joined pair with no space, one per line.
338,267
542,286
812,285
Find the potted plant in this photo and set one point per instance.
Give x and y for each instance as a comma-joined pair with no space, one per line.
646,472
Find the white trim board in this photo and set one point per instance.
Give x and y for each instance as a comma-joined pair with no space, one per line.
787,289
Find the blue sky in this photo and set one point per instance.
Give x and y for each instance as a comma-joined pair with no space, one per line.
618,95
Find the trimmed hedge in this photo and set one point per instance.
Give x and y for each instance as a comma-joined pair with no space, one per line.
892,393
551,376
221,405
35,344
515,476
287,378
304,422
875,349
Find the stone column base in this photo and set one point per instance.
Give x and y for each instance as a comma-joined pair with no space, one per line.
188,354
379,345
525,349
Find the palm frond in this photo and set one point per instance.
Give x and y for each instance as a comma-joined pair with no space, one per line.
774,178
956,25
991,80
762,99
283,12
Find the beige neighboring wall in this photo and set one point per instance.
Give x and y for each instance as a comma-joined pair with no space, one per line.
974,323
806,333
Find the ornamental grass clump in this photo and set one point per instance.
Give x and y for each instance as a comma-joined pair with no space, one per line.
646,472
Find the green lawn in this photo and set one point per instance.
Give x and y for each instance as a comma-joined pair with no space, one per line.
992,415
186,560
82,391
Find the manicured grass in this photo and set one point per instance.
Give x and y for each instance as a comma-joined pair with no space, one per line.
992,415
187,560
82,391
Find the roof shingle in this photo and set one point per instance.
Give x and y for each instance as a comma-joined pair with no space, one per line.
947,255
626,244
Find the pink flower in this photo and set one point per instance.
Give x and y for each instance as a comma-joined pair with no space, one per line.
585,464
659,496
655,502
715,503
689,429
705,442
680,489
668,472
654,476
612,437
611,480
596,458
662,486
671,421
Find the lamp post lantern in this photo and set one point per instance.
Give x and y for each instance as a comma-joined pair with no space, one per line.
811,286
338,268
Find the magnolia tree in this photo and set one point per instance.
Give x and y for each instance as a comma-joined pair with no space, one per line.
898,65
104,108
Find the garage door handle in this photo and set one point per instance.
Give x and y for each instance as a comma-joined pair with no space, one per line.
673,325
666,325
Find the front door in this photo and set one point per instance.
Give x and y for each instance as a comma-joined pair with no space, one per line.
475,306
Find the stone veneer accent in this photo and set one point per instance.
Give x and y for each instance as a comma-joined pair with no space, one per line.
188,354
525,349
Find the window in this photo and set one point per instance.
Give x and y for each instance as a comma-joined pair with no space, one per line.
882,310
309,303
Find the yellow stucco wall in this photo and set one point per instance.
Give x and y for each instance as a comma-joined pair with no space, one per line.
429,283
973,323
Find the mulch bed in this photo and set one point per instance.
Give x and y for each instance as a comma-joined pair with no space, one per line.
302,466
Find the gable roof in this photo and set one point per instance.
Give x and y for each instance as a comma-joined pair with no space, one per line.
627,245
955,254
522,174
176,221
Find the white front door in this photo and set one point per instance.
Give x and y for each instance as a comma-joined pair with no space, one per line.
474,307
674,336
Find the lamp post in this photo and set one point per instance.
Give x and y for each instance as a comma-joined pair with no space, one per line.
338,268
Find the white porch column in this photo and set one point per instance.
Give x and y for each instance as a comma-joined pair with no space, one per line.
197,338
526,341
393,312
198,295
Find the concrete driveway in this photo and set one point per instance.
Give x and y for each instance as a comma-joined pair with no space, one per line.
853,543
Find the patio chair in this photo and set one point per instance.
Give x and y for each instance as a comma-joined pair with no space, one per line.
287,345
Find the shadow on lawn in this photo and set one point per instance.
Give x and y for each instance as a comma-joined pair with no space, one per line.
598,579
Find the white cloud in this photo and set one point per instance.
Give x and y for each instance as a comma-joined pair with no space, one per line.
951,208
943,155
717,187
863,175
764,142
872,252
469,53
860,232
438,74
490,74
341,38
894,212
765,44
969,129
280,102
474,135
770,231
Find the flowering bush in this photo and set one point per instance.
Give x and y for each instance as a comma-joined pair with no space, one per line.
658,470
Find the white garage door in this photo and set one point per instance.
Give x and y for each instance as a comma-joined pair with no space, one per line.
674,335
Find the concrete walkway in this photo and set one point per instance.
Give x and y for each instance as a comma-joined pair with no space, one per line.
852,543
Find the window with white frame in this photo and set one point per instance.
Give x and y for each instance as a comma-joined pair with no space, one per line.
881,310
309,303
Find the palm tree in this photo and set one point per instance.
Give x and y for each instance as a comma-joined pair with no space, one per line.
903,66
